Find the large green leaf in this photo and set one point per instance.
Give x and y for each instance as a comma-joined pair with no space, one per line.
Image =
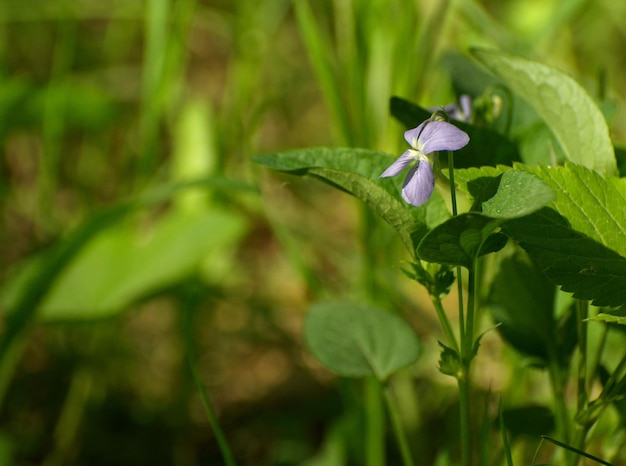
571,259
357,172
122,265
358,340
594,205
573,117
501,197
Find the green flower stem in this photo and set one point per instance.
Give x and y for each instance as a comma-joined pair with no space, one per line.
463,378
466,326
459,281
582,400
375,423
582,311
396,423
465,416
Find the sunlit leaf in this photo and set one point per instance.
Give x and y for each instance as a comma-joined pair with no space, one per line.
567,109
122,264
357,172
358,340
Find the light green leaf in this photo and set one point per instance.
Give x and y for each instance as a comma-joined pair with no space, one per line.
592,204
122,265
517,194
358,340
357,172
573,117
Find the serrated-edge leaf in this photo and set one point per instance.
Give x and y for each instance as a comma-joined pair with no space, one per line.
593,204
573,117
571,259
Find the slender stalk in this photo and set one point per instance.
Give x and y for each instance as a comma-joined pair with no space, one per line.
466,326
208,407
467,351
375,425
582,400
581,315
465,416
445,323
403,444
459,276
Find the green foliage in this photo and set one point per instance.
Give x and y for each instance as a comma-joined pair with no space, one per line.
563,104
358,340
356,171
523,303
461,239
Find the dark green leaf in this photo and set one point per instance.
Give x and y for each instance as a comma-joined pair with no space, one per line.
521,300
571,259
528,420
459,240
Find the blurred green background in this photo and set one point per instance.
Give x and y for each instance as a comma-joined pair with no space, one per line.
135,230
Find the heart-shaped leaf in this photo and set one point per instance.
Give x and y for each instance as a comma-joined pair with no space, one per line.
358,340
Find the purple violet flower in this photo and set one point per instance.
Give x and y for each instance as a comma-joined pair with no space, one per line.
430,136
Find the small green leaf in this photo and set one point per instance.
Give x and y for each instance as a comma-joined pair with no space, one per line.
358,340
459,240
357,172
450,361
573,117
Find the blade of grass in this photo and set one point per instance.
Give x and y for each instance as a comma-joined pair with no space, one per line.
190,355
576,450
320,53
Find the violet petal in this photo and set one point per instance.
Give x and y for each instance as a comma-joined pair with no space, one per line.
441,135
419,184
399,165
